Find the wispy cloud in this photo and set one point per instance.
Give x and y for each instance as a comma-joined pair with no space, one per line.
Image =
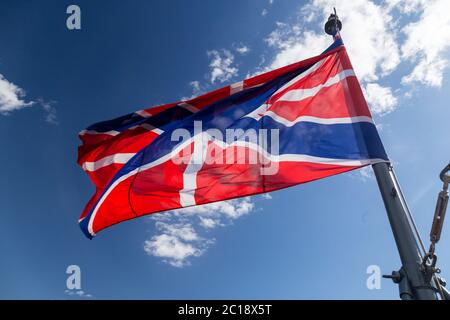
221,65
11,97
196,90
242,49
364,174
265,11
196,87
406,6
50,111
78,293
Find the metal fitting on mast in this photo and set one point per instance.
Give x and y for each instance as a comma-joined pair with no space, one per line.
333,25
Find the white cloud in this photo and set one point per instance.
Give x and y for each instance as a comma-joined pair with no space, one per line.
406,6
182,231
208,223
265,11
221,65
293,45
266,196
380,99
367,173
427,44
374,39
232,209
171,248
243,49
427,71
11,97
369,34
367,29
363,174
195,86
179,238
176,243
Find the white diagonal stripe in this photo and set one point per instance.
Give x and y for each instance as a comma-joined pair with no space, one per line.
111,133
316,66
143,113
188,107
258,113
236,87
158,131
149,127
119,158
289,123
300,94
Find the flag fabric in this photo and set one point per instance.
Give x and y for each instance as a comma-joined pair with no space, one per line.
310,118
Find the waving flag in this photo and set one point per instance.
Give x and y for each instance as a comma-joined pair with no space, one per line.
299,123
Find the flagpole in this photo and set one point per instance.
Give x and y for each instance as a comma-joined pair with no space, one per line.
414,277
414,280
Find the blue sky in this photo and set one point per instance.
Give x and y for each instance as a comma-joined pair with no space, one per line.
308,242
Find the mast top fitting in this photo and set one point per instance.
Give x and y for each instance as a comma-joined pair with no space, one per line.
333,25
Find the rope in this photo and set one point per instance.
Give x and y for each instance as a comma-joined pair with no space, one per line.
409,214
416,231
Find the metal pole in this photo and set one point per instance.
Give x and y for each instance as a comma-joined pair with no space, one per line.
412,271
413,278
